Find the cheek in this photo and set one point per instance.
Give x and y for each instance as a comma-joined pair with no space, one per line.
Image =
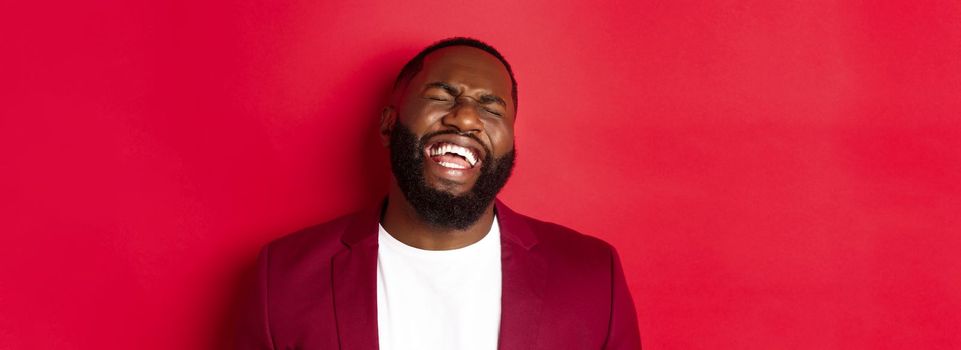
420,118
502,139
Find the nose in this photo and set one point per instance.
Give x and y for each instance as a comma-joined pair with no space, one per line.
464,116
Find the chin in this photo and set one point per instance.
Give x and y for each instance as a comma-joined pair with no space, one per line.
452,188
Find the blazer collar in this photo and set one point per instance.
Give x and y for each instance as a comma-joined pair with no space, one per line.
523,272
513,226
354,283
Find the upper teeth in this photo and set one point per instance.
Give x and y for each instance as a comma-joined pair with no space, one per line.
455,149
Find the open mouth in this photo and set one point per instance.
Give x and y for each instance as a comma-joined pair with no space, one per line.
452,156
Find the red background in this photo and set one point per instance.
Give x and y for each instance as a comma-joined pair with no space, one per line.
776,175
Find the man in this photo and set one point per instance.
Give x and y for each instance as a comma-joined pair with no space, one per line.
442,264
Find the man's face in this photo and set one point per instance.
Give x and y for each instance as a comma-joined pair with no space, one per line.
452,146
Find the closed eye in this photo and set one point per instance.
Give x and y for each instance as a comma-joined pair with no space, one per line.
493,112
440,91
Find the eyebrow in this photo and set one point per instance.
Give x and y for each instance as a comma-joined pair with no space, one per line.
450,89
442,85
488,98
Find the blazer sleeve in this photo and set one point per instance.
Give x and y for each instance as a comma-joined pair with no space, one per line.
253,326
623,333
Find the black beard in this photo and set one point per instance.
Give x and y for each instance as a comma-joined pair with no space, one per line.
439,208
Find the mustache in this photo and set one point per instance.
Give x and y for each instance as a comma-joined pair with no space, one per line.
487,150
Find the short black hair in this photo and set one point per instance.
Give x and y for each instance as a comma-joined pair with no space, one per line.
417,63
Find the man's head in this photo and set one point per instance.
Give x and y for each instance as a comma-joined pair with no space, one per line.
450,128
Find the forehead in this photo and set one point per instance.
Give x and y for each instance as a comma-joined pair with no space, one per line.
466,65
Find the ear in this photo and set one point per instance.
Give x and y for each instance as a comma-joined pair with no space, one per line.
388,117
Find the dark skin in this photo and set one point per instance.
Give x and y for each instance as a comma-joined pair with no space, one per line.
459,88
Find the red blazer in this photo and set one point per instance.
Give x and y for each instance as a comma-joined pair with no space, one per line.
317,289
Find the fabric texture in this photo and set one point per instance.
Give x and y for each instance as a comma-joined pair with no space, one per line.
316,289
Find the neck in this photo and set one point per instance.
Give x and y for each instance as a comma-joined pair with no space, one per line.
403,223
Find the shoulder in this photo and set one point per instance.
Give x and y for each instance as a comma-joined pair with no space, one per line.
562,243
310,244
557,234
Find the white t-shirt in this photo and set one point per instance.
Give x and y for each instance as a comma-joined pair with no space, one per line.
439,299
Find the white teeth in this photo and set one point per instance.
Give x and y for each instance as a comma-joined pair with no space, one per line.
452,165
455,149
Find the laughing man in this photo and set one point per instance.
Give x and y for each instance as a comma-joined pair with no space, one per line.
443,264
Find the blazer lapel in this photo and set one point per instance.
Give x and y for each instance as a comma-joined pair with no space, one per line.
523,274
354,283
